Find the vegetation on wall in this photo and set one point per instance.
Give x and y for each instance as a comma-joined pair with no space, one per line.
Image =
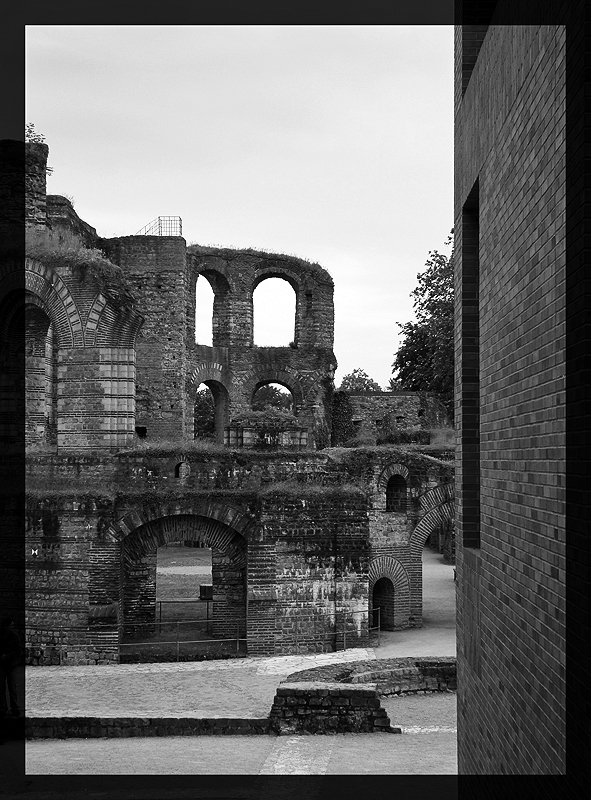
342,419
269,396
31,135
425,359
270,417
63,249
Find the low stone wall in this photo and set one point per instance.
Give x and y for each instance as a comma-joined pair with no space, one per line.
119,727
390,675
328,708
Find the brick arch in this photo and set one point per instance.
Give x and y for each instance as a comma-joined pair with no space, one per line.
187,527
391,568
388,567
110,326
61,307
208,371
44,288
388,471
229,516
432,519
289,378
229,565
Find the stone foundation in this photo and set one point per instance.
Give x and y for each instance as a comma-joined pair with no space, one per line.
328,708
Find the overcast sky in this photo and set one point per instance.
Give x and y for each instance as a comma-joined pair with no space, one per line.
332,143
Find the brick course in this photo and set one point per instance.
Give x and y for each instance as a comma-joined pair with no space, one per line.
510,473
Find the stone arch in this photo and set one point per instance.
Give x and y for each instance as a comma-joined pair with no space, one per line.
388,567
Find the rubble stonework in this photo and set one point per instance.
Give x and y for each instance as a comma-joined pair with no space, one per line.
305,540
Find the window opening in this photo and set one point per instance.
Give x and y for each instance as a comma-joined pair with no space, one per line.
274,307
204,298
205,408
273,395
396,494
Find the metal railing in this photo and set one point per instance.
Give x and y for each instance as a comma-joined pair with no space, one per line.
162,226
183,601
337,637
177,640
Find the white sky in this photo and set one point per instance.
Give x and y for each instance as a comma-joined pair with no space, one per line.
332,143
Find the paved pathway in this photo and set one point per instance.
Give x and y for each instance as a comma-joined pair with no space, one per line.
245,688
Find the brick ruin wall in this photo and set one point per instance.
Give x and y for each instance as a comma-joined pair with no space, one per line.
108,358
510,251
296,546
378,411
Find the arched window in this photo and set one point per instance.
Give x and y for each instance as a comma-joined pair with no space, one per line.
396,494
204,298
274,306
273,395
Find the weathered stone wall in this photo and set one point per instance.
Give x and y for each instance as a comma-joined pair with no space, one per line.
379,411
235,368
154,267
36,155
328,708
510,363
295,556
321,568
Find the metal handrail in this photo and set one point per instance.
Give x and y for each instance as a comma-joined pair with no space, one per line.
163,226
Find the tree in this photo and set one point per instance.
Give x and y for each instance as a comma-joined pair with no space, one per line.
425,359
358,381
204,425
269,396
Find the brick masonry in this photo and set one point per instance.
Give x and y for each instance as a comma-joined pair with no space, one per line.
510,362
304,544
297,546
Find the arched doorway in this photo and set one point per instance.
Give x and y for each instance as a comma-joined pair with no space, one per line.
227,611
383,598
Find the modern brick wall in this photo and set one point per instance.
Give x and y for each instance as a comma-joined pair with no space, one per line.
510,140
